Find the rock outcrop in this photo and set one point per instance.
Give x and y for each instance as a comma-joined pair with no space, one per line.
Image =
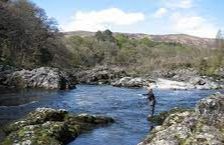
176,74
100,75
159,119
193,83
160,83
44,77
203,126
187,79
130,82
205,83
46,126
53,78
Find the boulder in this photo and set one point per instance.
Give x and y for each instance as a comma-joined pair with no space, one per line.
202,126
204,83
180,74
211,110
100,75
130,82
47,126
160,118
44,77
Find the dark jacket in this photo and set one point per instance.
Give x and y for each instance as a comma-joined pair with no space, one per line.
151,98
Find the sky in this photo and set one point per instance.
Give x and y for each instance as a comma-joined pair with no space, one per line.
201,18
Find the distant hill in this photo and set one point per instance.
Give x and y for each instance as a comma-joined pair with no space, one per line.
79,33
185,39
176,38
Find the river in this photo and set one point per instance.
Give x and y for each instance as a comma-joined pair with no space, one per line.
127,106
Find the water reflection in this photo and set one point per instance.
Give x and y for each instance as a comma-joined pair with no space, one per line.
21,97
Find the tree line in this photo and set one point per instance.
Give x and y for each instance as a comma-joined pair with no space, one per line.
28,38
143,55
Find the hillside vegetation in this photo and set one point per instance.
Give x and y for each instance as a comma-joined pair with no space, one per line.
142,54
29,39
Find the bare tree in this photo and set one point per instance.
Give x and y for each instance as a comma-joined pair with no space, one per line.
220,40
220,47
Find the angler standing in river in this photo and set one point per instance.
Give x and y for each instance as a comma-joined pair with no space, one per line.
151,98
152,101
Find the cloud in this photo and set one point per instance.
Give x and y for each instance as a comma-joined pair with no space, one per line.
103,19
173,16
183,4
193,25
182,17
160,12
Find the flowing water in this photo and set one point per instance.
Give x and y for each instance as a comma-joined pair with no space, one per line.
127,106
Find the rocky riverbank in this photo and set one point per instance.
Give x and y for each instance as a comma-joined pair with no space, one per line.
100,75
46,126
180,79
54,78
131,82
44,77
189,78
202,126
163,83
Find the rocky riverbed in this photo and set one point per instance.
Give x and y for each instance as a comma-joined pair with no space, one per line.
46,126
202,126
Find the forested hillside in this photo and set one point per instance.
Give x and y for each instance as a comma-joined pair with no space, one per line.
141,54
28,38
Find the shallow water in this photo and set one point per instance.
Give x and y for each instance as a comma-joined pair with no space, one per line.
129,108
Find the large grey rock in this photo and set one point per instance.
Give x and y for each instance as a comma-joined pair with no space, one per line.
100,75
44,77
130,82
176,74
202,126
211,109
204,83
47,126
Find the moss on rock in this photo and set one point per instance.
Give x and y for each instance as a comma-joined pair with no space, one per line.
203,126
46,126
160,118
